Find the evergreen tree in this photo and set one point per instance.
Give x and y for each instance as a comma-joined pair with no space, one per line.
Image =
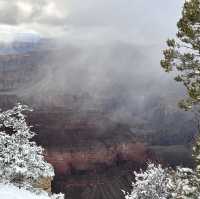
21,160
183,56
183,53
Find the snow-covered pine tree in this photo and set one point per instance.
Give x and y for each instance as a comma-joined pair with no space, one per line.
182,54
21,160
151,184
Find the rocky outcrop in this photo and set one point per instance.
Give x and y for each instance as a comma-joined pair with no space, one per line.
44,184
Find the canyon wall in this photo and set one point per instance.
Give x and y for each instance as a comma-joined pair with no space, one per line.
80,132
96,159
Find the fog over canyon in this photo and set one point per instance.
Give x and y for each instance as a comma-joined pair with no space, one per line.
91,120
102,105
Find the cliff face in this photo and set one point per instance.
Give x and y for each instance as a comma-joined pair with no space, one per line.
85,142
44,184
82,140
98,158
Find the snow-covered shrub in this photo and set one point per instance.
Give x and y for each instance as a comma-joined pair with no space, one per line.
196,154
21,160
159,183
184,184
151,184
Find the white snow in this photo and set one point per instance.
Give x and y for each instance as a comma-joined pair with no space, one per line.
12,192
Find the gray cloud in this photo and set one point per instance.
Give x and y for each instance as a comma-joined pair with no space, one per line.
149,19
17,12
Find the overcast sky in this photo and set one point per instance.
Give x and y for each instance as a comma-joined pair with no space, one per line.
132,20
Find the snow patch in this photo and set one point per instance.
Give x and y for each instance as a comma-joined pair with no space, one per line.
12,192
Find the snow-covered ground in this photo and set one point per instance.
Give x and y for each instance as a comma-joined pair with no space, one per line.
12,192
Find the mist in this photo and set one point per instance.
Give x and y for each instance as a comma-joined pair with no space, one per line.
102,49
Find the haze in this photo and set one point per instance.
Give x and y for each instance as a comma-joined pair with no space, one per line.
109,48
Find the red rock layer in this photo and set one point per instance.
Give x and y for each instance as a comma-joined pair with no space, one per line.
65,162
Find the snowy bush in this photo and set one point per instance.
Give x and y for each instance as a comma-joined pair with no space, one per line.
21,160
184,184
159,183
151,184
196,154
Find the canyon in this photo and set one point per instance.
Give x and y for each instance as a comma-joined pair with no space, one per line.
93,149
